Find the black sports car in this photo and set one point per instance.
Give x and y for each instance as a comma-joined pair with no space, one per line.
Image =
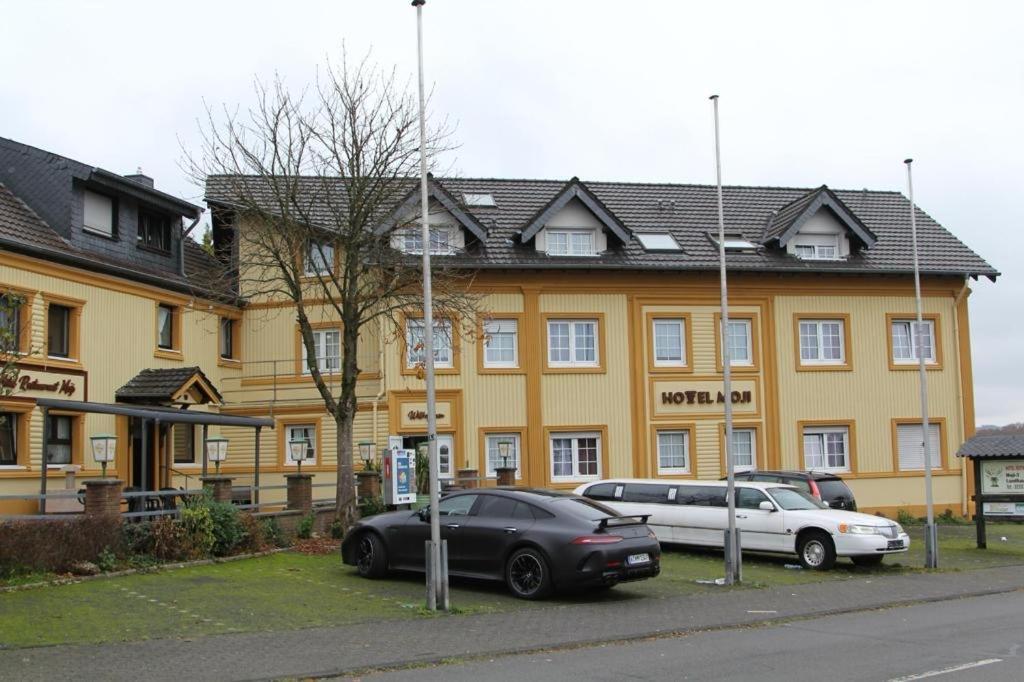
534,540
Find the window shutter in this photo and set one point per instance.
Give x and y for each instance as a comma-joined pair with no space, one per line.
911,449
99,213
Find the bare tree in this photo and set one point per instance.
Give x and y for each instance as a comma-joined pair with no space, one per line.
11,340
321,184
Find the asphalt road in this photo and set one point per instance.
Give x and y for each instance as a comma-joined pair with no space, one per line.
979,639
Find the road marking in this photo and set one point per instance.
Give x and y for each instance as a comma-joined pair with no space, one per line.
945,671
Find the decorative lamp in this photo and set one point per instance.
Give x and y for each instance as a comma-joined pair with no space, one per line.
299,449
366,452
104,447
504,446
217,451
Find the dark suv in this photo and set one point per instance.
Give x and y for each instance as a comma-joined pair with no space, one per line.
826,487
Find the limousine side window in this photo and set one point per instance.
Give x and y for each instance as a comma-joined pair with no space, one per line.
701,495
604,492
646,493
749,498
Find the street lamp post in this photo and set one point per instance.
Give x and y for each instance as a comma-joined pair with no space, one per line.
437,585
931,536
217,451
104,447
733,554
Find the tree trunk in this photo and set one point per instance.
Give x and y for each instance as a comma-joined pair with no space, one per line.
345,497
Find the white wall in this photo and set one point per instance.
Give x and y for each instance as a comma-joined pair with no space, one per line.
576,216
822,223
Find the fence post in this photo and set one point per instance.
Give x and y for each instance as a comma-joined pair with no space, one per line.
300,491
506,476
219,487
467,478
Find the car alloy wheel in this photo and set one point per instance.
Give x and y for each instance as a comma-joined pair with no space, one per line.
365,555
814,553
527,574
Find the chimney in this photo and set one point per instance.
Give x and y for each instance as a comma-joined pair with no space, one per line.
141,178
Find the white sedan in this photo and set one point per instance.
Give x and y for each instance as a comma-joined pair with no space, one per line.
771,517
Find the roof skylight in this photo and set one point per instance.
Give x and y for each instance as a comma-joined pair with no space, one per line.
658,241
734,242
479,199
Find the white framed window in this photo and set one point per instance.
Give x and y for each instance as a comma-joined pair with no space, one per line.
501,343
572,343
575,456
327,346
306,432
827,448
908,347
744,449
669,342
674,452
414,351
911,446
570,242
494,459
440,241
822,342
99,214
319,259
739,338
817,247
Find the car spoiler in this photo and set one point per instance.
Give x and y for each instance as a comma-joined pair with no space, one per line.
640,519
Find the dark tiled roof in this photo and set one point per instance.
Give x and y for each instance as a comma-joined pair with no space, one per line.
1003,445
688,212
19,223
160,385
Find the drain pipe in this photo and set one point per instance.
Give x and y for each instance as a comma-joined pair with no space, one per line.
957,300
380,372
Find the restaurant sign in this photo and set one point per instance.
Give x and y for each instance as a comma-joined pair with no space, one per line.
42,383
1002,477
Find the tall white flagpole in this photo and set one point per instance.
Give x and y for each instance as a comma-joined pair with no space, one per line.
733,556
437,576
931,537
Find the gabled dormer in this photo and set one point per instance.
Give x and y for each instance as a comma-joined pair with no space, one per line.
818,226
451,225
574,223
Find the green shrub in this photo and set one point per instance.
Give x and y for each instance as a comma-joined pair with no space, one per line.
337,529
106,561
305,527
169,540
272,533
137,538
949,518
197,524
372,506
55,544
228,532
905,518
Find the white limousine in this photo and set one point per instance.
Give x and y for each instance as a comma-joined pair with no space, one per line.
772,517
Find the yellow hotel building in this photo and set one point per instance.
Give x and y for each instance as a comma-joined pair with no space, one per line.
597,354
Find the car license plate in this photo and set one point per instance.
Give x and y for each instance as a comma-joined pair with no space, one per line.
635,559
895,544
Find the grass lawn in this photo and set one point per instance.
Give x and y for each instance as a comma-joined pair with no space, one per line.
291,591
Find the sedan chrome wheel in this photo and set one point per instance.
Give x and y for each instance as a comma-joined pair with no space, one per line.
814,553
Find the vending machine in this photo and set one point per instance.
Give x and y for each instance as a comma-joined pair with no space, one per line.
399,476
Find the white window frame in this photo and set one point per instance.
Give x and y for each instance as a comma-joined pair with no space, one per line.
315,253
444,355
98,208
752,432
669,470
819,340
492,455
288,431
821,433
571,243
748,361
574,360
680,324
412,241
907,430
912,339
327,364
497,327
575,438
819,246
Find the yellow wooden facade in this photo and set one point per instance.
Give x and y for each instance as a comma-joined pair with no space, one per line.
621,398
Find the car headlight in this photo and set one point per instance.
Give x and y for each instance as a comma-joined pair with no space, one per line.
899,529
857,529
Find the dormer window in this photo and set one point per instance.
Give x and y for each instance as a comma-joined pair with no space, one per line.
100,214
816,247
570,243
154,231
440,241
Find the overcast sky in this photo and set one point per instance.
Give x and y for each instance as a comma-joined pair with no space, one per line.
811,93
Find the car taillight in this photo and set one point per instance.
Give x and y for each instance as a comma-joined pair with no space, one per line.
814,489
597,540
